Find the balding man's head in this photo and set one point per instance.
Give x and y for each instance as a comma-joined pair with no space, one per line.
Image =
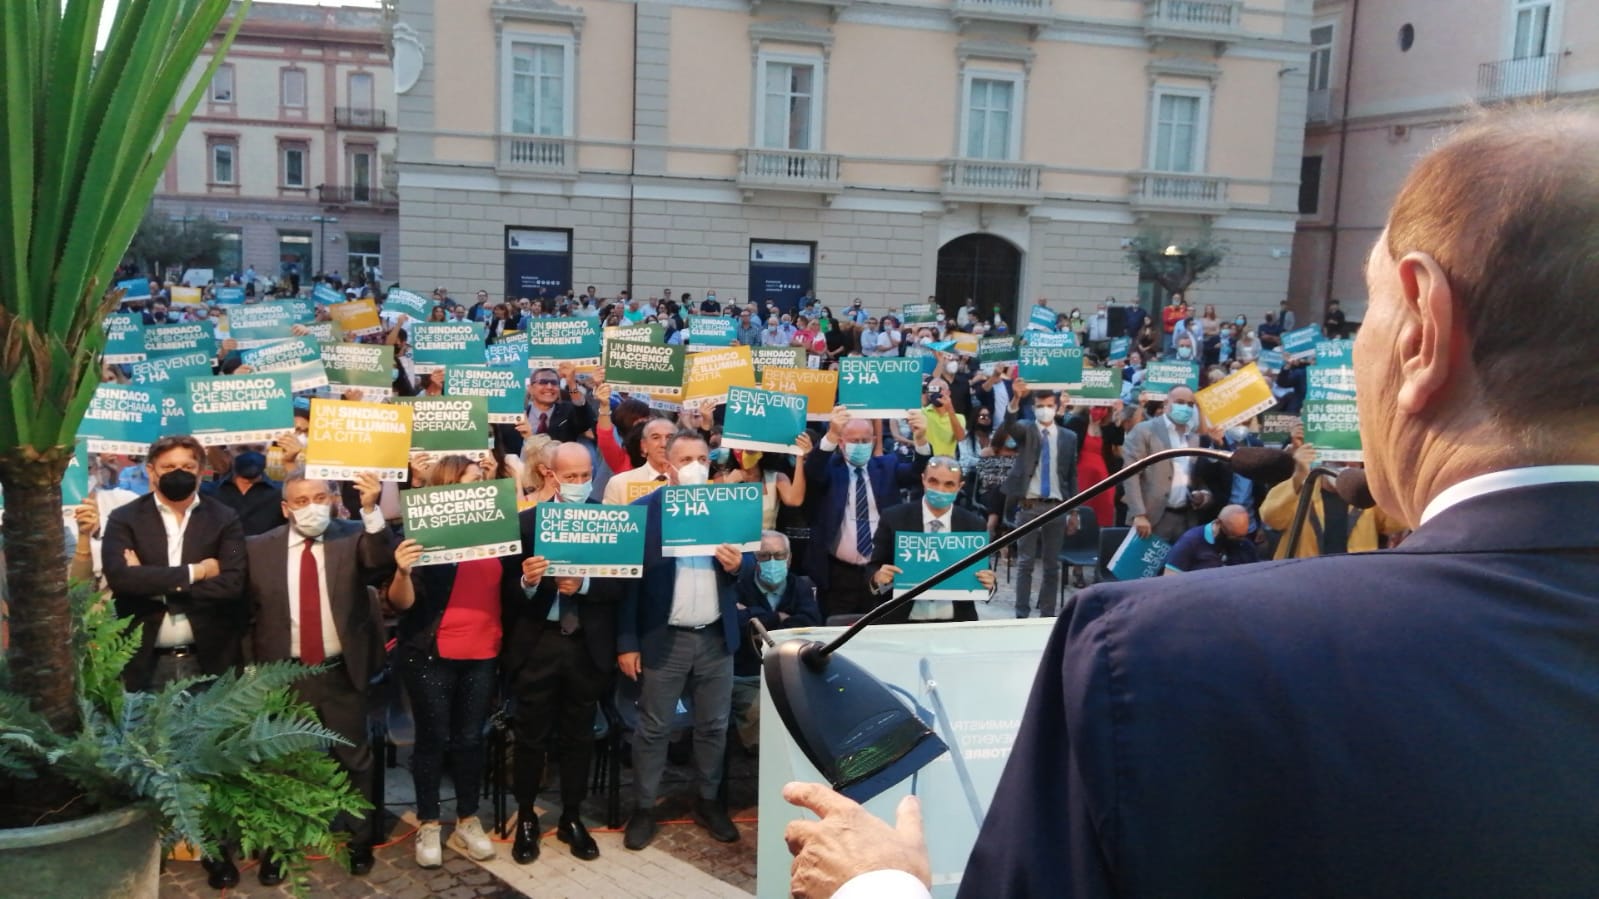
572,463
1234,521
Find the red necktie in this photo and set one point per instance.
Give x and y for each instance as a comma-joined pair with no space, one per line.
310,608
544,420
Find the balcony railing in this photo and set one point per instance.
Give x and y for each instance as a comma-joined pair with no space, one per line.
1516,79
358,195
803,171
1174,192
1208,19
526,153
983,180
1322,107
360,117
1027,12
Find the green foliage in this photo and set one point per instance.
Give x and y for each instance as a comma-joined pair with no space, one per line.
1196,260
161,241
103,645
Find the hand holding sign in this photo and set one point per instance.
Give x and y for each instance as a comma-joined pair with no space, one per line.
533,568
369,488
406,557
886,574
730,557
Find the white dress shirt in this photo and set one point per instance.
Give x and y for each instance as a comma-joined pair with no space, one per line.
1181,469
934,609
694,594
1046,434
1509,479
373,522
845,550
175,628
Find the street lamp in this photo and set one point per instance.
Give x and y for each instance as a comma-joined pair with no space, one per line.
323,221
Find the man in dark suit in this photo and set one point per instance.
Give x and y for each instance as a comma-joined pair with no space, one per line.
848,490
1045,473
175,564
935,513
309,600
1169,498
774,595
256,500
1416,721
548,413
677,629
558,657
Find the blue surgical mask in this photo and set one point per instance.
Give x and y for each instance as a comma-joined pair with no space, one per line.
1180,413
858,454
720,455
774,572
939,499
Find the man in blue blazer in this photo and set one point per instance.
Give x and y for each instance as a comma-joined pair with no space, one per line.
676,633
851,488
1412,722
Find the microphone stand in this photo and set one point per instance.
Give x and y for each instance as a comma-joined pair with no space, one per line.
1302,509
816,655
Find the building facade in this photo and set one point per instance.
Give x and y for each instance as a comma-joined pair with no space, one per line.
1388,78
987,149
291,148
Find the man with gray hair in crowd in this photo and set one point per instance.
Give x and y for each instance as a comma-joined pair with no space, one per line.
1219,543
774,595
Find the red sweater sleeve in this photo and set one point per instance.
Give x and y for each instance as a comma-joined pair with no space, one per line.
615,457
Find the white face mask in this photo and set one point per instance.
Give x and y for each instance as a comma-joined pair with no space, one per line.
951,367
692,474
1044,414
576,493
313,520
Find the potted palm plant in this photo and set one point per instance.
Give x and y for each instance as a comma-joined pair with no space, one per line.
89,131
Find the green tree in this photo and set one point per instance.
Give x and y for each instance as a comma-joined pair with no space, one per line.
164,242
1174,264
88,133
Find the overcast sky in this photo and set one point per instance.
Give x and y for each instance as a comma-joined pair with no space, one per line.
111,11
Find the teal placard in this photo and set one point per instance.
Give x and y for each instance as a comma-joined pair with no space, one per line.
1043,339
134,289
300,357
436,345
993,350
1329,382
443,425
1271,360
1051,367
1300,343
171,374
173,418
710,331
1100,387
630,365
919,556
1042,318
763,420
1119,346
462,522
505,390
179,339
1139,557
124,420
696,520
327,296
229,296
591,540
418,307
557,340
919,313
252,408
509,351
1277,429
646,332
75,482
366,367
1335,352
263,323
1333,427
1160,378
124,339
879,388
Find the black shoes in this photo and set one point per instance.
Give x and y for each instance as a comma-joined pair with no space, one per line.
360,859
640,829
709,814
270,874
574,834
526,849
222,873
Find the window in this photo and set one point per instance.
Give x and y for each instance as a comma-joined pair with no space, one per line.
294,159
222,85
991,120
291,84
540,82
230,251
360,172
294,253
1321,54
360,90
1309,185
1179,132
365,253
789,113
224,154
1531,39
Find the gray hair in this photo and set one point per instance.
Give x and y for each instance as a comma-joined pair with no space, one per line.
947,462
777,535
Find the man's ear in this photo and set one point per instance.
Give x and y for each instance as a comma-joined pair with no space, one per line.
1425,342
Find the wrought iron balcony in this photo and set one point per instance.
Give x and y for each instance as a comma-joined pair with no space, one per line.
359,195
1216,20
535,155
992,181
1034,13
360,117
799,171
1178,192
1518,79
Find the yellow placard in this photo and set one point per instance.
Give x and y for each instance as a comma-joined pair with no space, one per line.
709,374
186,296
356,317
1235,398
820,388
638,489
347,438
965,344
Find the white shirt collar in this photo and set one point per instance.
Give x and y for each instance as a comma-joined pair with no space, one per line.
928,515
1509,479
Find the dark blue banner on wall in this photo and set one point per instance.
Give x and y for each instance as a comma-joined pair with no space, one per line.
538,261
781,272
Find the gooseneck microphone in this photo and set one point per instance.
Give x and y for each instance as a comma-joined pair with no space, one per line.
1351,487
1253,462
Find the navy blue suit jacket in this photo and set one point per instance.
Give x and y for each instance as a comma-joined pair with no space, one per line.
828,476
1422,721
647,604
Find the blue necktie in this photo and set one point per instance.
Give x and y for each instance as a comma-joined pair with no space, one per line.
1044,464
863,516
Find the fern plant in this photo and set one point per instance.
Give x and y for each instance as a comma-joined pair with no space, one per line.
235,759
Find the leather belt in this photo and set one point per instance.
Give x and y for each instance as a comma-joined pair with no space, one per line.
679,627
177,652
331,662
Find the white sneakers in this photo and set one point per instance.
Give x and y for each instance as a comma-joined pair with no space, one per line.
469,839
428,853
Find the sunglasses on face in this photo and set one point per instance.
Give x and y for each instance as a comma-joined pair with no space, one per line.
547,382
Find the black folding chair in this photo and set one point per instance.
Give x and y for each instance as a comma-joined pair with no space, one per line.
1080,549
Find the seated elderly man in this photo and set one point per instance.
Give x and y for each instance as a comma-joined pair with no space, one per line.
1224,541
774,595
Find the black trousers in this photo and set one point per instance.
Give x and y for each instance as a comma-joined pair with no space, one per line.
343,710
849,590
558,689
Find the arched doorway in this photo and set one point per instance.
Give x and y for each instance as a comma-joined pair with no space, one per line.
985,268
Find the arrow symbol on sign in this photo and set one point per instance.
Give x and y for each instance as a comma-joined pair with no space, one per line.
672,509
848,377
905,556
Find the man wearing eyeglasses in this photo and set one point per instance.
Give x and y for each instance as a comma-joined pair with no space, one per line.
564,418
774,595
307,589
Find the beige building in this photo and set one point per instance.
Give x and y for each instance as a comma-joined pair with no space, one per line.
291,147
995,149
1387,80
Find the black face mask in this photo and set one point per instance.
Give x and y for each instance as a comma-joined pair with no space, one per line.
179,485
